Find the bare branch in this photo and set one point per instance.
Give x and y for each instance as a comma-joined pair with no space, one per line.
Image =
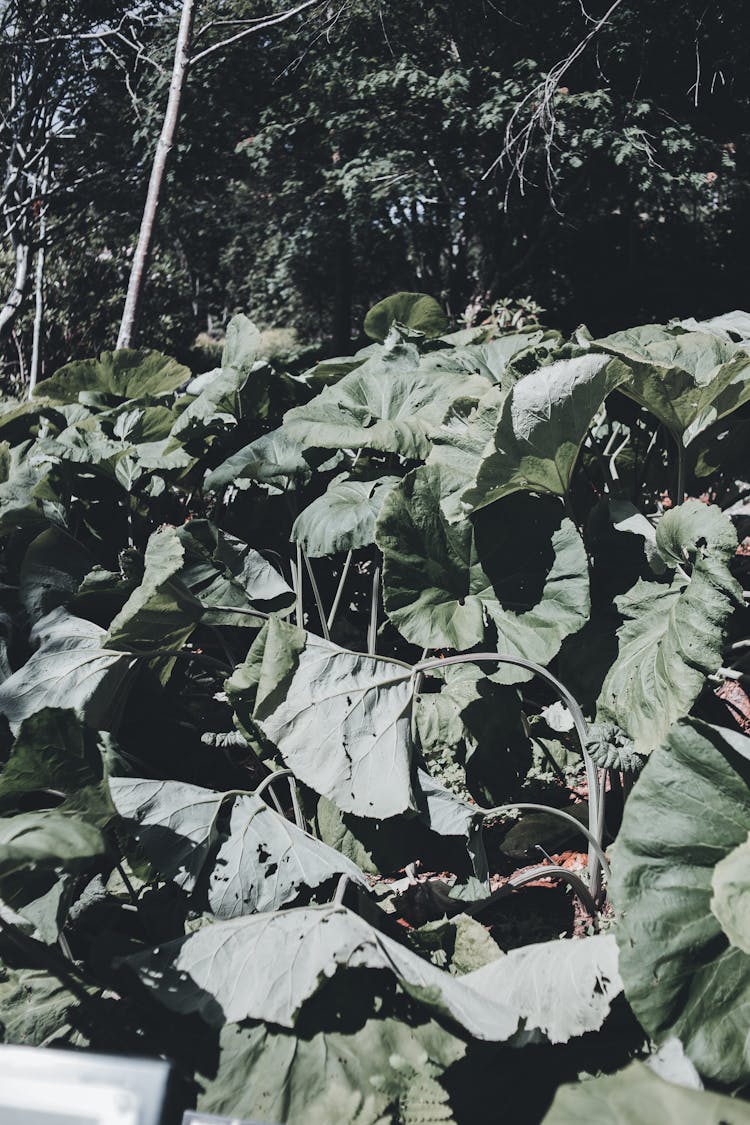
519,137
271,21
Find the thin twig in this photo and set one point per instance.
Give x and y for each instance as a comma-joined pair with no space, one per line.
271,21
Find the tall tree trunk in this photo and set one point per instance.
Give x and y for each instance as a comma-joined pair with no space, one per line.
156,181
36,344
17,294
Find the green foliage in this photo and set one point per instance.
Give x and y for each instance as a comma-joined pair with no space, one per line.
278,658
413,310
682,971
637,1096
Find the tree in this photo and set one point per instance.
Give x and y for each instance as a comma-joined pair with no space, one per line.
343,158
182,63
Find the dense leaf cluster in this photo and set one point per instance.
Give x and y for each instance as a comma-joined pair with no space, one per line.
305,678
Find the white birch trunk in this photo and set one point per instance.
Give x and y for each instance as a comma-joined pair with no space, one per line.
156,181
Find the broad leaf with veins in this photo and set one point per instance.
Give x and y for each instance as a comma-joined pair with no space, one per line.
341,720
561,989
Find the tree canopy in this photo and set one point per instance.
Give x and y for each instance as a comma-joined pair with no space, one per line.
317,172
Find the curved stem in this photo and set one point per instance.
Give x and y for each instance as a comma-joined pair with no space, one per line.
239,609
500,810
581,728
338,897
277,775
544,871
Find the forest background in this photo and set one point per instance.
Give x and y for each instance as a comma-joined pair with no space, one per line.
362,148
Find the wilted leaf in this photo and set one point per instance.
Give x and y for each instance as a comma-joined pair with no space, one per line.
261,862
265,862
561,988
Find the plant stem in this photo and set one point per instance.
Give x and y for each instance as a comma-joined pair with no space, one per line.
299,611
316,596
680,471
339,590
372,632
579,723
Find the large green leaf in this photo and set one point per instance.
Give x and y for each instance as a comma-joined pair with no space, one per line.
731,326
34,1008
161,612
674,632
241,344
273,459
110,443
262,861
686,380
54,751
49,842
414,310
355,1076
459,446
343,518
41,856
560,988
682,973
221,570
172,821
445,584
496,358
266,861
471,734
637,1096
26,501
394,403
71,668
341,720
731,895
117,375
51,572
542,424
